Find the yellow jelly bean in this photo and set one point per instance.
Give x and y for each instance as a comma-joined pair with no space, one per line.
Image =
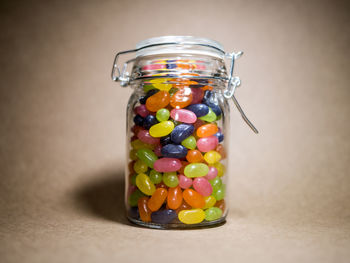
161,84
212,157
140,167
161,129
144,183
220,167
137,145
209,201
132,155
193,216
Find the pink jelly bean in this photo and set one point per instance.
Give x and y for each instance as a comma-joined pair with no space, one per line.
213,172
154,67
207,144
184,181
183,115
145,137
165,165
141,110
158,150
202,186
197,95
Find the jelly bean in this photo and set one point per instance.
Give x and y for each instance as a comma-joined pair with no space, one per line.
143,99
134,197
132,154
213,172
144,211
147,88
182,98
153,67
140,167
161,185
133,179
210,117
162,115
144,183
157,199
141,110
138,144
134,212
161,83
157,101
207,88
213,213
220,167
215,183
172,91
156,177
184,181
194,156
138,120
207,130
165,140
163,216
219,193
181,132
221,150
207,144
193,198
182,169
149,121
221,204
197,95
199,109
212,157
196,170
211,101
209,201
174,150
193,216
220,136
158,150
145,137
183,115
174,199
147,156
135,129
190,142
202,186
183,206
198,123
170,179
162,129
167,165
131,166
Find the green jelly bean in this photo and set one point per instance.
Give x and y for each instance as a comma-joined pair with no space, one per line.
156,177
147,156
190,142
219,193
196,170
134,197
170,179
210,117
147,88
213,213
133,179
144,183
162,115
215,183
140,167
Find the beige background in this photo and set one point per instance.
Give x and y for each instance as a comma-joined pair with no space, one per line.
62,131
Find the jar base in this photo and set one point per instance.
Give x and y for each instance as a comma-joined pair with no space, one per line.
206,224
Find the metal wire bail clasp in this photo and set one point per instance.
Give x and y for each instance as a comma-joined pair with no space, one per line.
124,77
233,83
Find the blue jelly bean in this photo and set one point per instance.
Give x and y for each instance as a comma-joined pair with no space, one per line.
148,94
220,136
210,100
199,109
163,216
149,121
138,120
181,132
174,151
171,66
165,140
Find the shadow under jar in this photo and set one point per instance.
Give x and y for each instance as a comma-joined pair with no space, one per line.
177,133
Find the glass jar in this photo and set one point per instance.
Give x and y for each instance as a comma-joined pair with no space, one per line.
178,132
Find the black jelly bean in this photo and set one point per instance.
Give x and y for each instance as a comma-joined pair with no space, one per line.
149,121
138,120
165,140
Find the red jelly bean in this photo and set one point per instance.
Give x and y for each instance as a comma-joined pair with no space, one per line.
197,95
174,199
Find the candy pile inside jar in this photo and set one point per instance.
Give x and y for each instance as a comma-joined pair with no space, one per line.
176,170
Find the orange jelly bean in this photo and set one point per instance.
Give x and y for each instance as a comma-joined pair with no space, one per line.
220,204
181,99
145,212
193,198
183,206
207,130
194,156
174,197
162,185
157,199
221,150
158,101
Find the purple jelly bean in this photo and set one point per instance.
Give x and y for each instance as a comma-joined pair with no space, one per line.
164,165
138,120
199,109
181,132
220,136
163,216
149,121
174,151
